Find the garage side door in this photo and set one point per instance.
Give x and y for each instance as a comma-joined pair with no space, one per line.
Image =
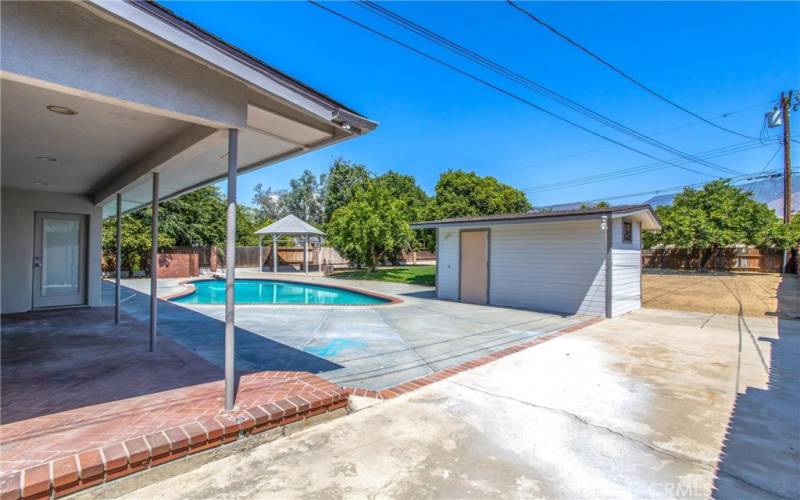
474,268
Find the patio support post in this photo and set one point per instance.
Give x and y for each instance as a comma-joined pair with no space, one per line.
274,253
118,260
154,266
230,270
260,257
305,254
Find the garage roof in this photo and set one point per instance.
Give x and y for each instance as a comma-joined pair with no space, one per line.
645,213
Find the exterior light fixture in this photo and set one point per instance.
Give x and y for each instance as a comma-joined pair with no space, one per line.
46,158
61,110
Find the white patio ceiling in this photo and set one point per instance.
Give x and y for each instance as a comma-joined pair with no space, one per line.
105,148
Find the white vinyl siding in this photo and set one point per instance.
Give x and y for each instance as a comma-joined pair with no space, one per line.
626,270
447,264
553,266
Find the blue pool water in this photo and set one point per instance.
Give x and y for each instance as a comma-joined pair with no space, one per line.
274,292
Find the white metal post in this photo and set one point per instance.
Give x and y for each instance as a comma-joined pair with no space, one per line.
260,257
230,270
154,266
274,253
118,260
305,254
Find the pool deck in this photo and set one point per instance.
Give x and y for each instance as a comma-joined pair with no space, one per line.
370,347
84,402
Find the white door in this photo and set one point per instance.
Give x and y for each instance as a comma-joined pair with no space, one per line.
59,260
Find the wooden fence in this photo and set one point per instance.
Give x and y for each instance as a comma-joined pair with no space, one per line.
213,257
727,259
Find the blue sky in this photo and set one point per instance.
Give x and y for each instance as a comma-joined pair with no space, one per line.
713,58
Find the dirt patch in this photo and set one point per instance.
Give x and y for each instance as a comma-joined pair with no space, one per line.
750,294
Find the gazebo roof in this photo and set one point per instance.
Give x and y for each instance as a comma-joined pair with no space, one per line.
290,225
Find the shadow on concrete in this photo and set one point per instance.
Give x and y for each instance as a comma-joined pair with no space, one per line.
204,335
57,360
761,451
421,294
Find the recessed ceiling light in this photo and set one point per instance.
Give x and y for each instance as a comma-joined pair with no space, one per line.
40,183
61,110
46,158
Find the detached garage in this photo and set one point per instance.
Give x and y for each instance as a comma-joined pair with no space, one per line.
574,262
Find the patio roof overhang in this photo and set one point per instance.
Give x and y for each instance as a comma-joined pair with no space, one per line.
152,93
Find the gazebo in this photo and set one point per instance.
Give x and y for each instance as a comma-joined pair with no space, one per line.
288,226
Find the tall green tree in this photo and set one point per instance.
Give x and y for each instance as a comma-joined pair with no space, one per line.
717,216
370,227
304,198
269,202
196,218
462,194
415,207
136,242
340,184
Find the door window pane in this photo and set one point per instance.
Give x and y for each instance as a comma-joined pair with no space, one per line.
61,250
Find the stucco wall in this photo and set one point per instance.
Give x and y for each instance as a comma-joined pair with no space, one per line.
17,219
67,45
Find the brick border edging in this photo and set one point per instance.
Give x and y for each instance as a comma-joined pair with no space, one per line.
414,384
190,289
67,475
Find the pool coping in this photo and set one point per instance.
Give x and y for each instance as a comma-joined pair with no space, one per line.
190,289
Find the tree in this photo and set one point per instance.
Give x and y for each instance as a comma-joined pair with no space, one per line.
136,241
415,206
461,194
340,184
370,227
304,199
248,221
196,218
269,203
717,216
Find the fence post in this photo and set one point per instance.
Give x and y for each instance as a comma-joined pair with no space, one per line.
212,259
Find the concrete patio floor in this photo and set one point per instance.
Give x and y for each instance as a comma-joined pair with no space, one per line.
655,404
370,347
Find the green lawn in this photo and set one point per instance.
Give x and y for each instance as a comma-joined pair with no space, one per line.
414,275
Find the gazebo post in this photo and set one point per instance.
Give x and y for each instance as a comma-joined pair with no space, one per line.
260,258
274,253
305,254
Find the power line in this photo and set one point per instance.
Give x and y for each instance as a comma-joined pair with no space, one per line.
610,146
520,79
766,165
619,71
640,169
496,87
772,174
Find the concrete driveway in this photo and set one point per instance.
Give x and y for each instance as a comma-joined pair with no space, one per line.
372,347
656,404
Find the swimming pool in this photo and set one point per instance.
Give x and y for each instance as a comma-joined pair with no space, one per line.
249,291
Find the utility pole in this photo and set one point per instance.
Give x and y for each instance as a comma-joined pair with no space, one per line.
787,159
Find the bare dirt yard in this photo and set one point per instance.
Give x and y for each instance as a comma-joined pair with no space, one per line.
749,294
